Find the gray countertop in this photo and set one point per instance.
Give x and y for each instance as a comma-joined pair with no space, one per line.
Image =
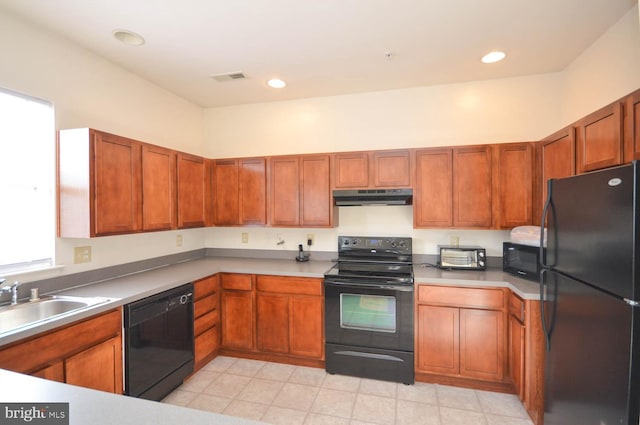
126,289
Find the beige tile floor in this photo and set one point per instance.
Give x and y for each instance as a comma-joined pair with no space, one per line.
284,394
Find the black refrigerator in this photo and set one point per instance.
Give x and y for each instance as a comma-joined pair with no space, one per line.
589,297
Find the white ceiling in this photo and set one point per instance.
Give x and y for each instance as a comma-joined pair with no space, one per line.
326,47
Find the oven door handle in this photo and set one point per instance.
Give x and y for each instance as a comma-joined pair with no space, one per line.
402,288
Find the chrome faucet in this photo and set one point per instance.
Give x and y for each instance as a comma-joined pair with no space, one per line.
13,288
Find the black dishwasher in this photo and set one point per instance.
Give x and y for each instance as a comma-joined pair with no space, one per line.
158,343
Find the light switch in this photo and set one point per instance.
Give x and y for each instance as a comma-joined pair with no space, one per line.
245,237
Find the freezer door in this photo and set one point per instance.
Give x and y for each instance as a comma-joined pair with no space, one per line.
592,225
588,373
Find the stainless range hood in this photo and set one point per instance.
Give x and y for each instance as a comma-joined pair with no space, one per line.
343,198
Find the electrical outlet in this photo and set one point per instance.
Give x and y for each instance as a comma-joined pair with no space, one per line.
178,240
245,237
454,240
310,239
81,254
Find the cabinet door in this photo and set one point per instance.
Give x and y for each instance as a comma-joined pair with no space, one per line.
305,326
237,320
433,200
158,188
482,344
205,345
438,339
557,155
351,170
315,184
272,323
191,191
391,169
472,187
253,191
599,139
632,127
513,181
285,191
54,372
226,206
117,185
98,367
516,355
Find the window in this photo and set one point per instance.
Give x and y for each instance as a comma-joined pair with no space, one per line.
27,183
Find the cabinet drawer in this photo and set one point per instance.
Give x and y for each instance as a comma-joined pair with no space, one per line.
516,307
206,344
204,305
240,282
461,297
205,322
290,285
205,287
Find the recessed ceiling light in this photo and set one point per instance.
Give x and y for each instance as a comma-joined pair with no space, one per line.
492,57
276,83
129,38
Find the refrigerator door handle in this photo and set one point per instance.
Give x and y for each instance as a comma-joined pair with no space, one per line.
545,212
543,301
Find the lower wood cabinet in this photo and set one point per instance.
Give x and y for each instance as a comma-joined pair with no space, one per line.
206,316
87,353
277,318
289,316
461,336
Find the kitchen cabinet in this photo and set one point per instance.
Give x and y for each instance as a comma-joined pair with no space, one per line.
192,175
557,158
461,335
300,191
516,343
513,182
206,315
433,192
99,177
599,139
158,188
526,354
87,353
453,187
374,169
289,316
239,192
237,311
632,127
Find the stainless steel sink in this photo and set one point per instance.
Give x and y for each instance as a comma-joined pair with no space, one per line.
28,314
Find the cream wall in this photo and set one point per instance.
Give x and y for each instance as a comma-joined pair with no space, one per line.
608,70
89,91
493,111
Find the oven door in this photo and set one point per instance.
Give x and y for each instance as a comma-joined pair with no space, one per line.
369,315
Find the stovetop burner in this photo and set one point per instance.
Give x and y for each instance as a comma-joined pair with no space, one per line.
364,259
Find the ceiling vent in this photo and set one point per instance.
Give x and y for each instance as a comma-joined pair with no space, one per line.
230,76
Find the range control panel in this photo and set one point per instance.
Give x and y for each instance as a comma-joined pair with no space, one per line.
374,245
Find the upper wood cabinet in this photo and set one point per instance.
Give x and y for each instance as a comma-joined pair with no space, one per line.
599,139
159,207
472,191
300,191
99,177
557,159
192,175
453,187
513,183
433,192
632,127
376,169
239,191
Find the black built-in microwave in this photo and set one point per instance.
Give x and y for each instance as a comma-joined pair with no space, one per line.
521,260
